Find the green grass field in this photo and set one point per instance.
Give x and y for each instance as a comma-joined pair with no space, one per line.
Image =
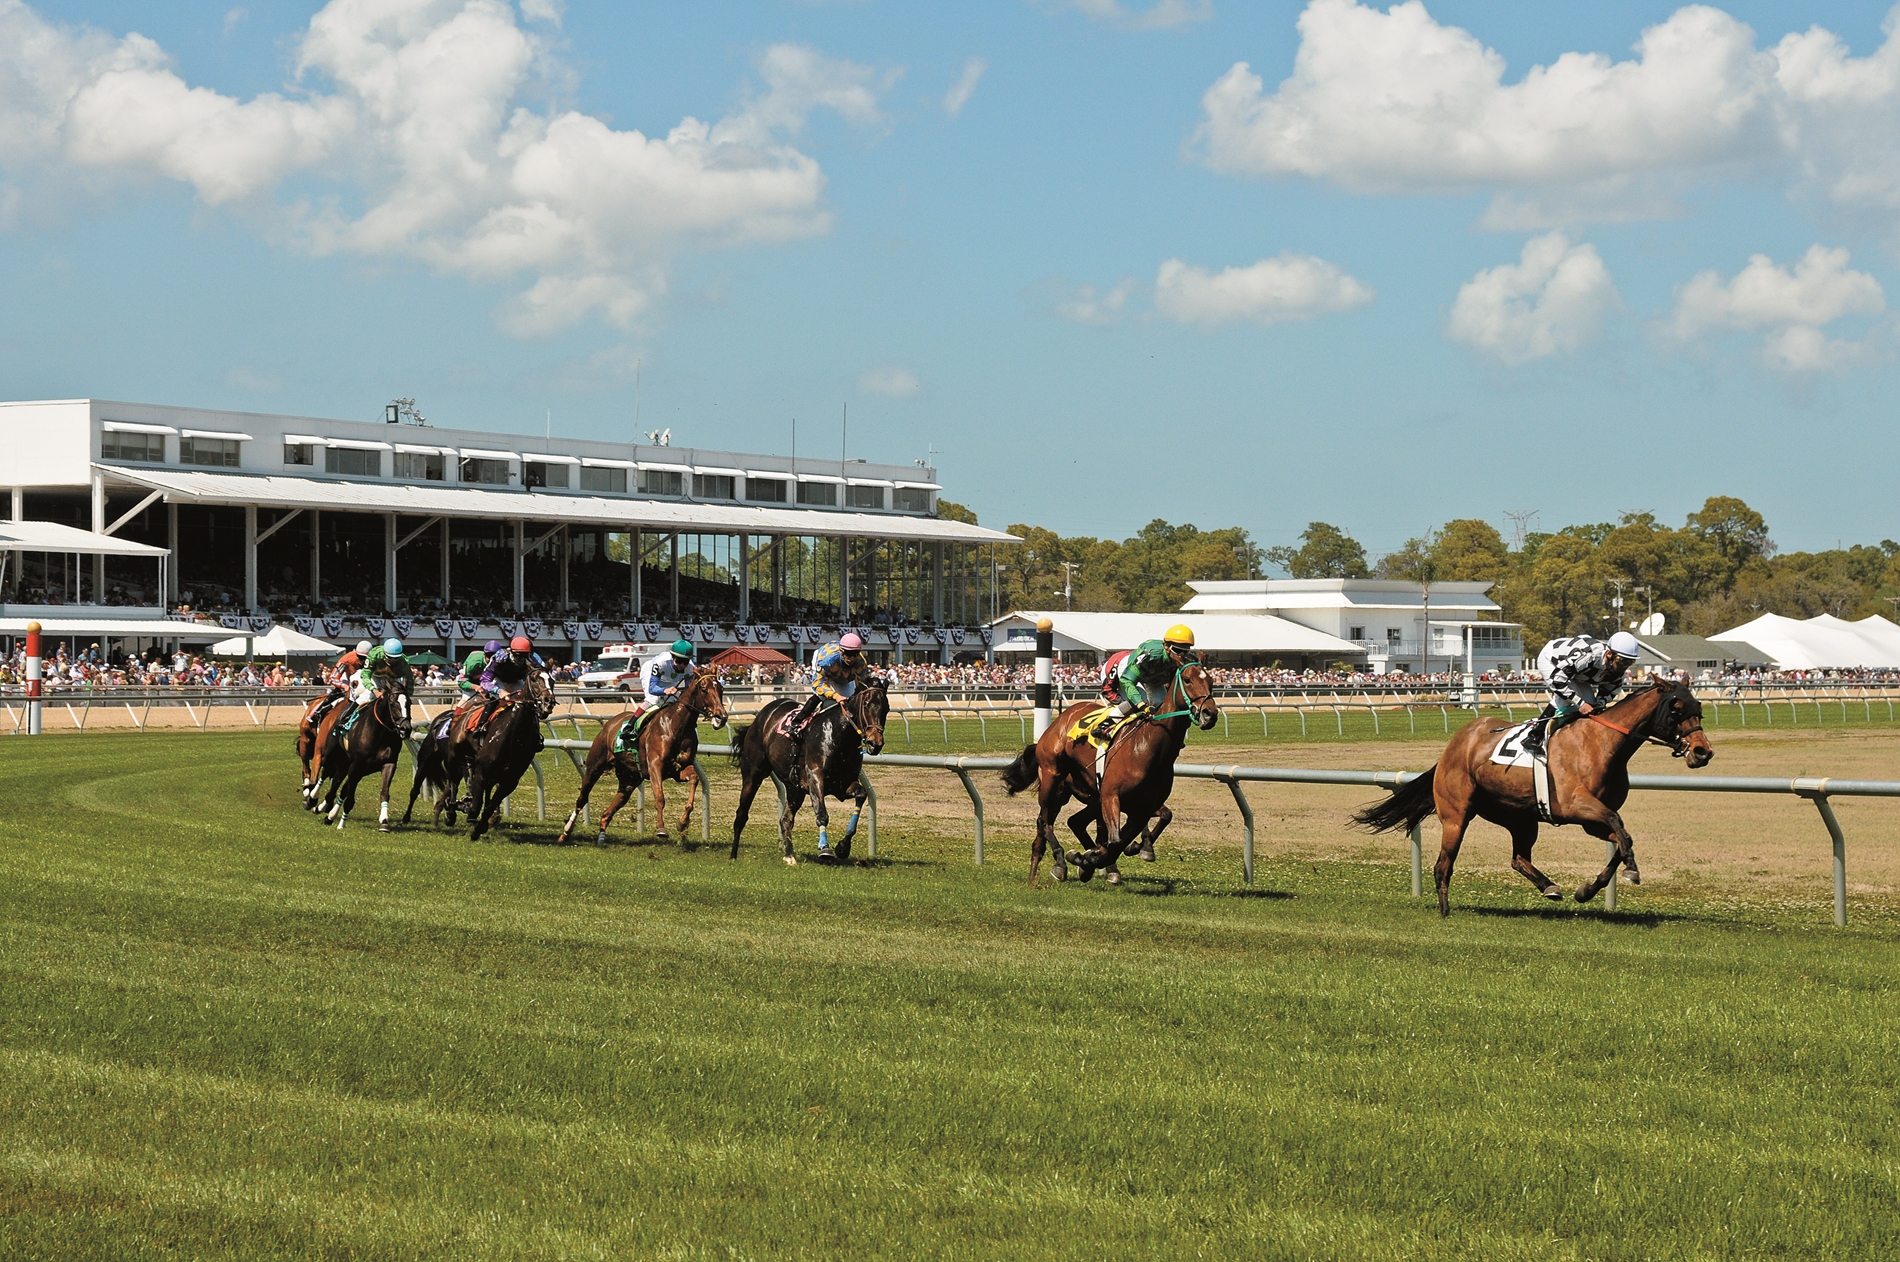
228,1032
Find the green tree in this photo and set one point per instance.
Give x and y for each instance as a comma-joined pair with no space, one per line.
950,510
1738,532
1325,551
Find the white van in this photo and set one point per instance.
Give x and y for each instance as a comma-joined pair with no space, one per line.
617,669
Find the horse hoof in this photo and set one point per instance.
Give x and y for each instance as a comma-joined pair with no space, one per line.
1585,893
600,838
384,828
791,860
1113,877
1147,853
1554,894
1636,878
1084,872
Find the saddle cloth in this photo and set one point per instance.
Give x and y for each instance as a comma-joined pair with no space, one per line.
1090,725
1510,747
784,726
629,734
443,724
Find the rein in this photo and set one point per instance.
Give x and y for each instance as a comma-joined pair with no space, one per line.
1176,687
1677,744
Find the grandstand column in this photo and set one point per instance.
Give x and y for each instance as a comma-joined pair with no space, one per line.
676,575
171,543
778,573
445,560
745,578
566,551
389,562
19,503
634,544
521,577
250,558
98,528
316,552
936,595
844,579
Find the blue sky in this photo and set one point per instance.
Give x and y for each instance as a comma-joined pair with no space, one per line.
1389,284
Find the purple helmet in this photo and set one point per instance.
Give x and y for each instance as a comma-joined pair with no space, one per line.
492,647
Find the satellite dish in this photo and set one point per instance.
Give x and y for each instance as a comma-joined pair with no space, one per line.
1651,625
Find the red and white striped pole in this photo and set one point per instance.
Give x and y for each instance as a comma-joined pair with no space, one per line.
32,679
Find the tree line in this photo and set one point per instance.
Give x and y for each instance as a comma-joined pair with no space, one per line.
1717,570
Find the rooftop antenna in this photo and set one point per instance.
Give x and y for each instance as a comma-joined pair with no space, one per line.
400,410
1520,519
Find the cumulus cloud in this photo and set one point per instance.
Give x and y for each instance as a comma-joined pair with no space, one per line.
1287,287
1086,305
1393,101
960,92
405,134
1789,306
1553,299
1160,15
890,381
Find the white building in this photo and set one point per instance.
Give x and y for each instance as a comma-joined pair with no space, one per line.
261,514
1225,639
1397,625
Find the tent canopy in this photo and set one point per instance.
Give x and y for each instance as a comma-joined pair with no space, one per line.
279,641
1822,642
51,536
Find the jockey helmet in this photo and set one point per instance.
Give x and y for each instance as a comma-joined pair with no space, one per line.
1623,644
364,646
521,644
393,647
682,648
1179,634
492,647
850,642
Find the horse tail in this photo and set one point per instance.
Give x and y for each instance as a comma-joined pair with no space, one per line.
736,748
1407,808
1022,773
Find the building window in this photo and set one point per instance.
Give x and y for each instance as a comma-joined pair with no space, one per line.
118,446
544,473
420,466
300,453
864,497
713,486
911,499
220,453
480,472
765,490
823,494
610,480
353,462
1356,633
662,482
1392,637
1482,633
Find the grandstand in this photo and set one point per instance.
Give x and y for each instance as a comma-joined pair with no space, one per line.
347,528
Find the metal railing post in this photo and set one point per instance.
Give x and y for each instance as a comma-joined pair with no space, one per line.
976,803
870,806
1418,861
1816,791
1246,824
1609,891
540,791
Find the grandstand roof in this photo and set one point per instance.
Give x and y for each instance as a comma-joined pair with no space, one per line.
1263,594
1823,642
274,491
1213,633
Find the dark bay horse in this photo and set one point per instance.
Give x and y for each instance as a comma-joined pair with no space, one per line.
495,765
827,761
1589,782
1136,776
666,749
373,745
435,769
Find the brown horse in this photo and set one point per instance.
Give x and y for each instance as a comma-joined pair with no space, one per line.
1589,782
1132,787
373,745
507,749
827,760
435,768
666,749
310,744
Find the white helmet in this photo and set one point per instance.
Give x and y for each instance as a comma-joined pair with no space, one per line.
364,646
1623,644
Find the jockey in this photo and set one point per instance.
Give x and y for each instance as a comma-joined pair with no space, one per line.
506,672
340,678
468,681
1149,667
383,666
663,678
837,670
1583,673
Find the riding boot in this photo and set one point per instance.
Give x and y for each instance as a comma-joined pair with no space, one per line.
1533,742
805,712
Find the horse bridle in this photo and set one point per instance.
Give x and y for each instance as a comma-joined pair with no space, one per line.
1179,685
1674,737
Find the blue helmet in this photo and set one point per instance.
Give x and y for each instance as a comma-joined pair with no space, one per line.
492,647
393,647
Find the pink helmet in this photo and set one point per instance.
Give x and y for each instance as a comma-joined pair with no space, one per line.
850,642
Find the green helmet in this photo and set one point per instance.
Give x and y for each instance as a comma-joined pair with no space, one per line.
682,648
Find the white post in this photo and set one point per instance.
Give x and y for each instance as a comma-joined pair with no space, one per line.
98,528
171,543
521,580
316,555
745,578
1045,649
19,503
1471,676
445,559
389,562
633,563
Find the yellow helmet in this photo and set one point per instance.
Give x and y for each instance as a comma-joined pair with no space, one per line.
1179,634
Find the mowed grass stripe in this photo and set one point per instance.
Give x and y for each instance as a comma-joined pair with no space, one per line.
231,1032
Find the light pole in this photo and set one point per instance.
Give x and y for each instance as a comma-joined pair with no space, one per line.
1068,584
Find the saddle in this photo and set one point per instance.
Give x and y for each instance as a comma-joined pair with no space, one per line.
628,738
1091,726
784,726
1510,752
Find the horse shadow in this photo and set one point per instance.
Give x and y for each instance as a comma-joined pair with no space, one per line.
1188,887
1634,919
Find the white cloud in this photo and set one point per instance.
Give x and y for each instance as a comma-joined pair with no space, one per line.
890,381
232,17
1553,299
1287,287
1393,101
549,11
1789,307
1087,306
1160,15
418,145
960,92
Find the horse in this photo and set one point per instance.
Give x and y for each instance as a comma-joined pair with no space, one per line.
310,747
373,744
1132,786
666,748
1589,782
496,766
827,760
436,769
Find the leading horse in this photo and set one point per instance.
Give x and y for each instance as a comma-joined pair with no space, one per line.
827,760
372,744
1589,782
665,749
1123,787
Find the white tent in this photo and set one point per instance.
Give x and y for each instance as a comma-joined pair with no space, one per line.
279,641
1821,643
